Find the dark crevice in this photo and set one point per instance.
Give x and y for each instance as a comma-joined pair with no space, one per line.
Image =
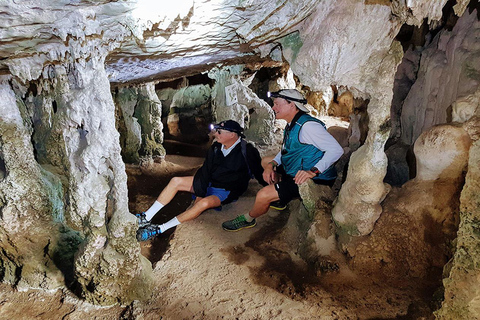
34,144
46,249
192,81
54,106
18,274
3,169
63,256
414,36
91,286
262,79
474,5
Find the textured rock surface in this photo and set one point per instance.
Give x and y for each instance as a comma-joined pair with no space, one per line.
454,57
54,56
81,150
462,281
29,205
421,218
358,203
442,152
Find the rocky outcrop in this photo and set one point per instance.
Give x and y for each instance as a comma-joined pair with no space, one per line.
452,57
461,274
80,190
138,113
421,218
31,204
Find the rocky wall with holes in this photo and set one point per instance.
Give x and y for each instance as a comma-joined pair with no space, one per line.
139,121
65,218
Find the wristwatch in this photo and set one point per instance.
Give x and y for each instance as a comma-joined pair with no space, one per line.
315,170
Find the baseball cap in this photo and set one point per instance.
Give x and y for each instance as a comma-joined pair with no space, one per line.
291,95
229,125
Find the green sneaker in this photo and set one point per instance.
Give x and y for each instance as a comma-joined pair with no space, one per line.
238,223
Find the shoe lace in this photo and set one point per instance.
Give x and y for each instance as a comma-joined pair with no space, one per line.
238,221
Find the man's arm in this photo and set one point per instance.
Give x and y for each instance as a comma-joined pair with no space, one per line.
269,172
314,133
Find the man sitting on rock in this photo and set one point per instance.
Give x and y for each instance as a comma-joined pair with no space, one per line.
229,165
308,152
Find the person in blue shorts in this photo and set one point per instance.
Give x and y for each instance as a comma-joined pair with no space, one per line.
308,152
224,176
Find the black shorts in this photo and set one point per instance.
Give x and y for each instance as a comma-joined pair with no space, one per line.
287,189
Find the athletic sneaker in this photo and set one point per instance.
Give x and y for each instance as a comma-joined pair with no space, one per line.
142,220
148,232
277,205
238,223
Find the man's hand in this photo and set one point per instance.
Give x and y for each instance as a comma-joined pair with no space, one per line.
303,176
269,175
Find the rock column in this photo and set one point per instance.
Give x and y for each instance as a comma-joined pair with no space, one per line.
29,198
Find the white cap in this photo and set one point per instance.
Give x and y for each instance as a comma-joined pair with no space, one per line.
297,97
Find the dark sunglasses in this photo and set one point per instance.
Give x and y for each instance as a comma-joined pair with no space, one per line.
219,131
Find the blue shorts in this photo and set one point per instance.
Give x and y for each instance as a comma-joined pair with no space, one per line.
220,193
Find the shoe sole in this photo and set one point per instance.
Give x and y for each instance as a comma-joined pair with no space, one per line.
278,208
253,225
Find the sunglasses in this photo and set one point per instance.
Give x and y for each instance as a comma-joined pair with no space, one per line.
219,131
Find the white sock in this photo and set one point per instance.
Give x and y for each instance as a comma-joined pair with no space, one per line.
170,224
153,210
248,217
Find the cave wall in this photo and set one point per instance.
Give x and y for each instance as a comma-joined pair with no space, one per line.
449,69
29,204
73,117
139,122
58,60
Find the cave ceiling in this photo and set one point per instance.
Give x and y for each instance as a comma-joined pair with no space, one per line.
146,40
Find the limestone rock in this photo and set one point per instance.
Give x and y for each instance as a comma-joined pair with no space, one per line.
466,107
461,294
429,99
442,153
127,125
28,206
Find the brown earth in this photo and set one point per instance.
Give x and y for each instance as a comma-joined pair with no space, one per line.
204,272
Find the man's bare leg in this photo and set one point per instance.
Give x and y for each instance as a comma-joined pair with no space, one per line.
200,205
262,202
176,184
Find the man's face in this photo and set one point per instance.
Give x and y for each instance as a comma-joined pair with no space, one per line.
224,136
282,108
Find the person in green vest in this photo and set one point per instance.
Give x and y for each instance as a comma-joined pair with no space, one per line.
308,152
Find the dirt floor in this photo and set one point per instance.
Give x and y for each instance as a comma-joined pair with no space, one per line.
204,272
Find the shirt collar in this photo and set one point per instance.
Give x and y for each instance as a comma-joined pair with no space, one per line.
227,151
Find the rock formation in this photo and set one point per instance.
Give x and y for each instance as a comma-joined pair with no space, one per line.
78,87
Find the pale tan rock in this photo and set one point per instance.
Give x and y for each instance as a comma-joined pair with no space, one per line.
442,152
466,107
429,100
461,287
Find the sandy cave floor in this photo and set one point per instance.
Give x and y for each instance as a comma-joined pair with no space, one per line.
204,272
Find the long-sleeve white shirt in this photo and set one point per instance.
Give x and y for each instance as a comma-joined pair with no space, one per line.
315,134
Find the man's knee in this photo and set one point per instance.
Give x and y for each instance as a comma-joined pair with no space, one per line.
178,182
266,194
208,202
